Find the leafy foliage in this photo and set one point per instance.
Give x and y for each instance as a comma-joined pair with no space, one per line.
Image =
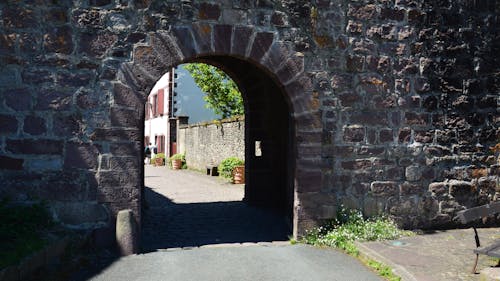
350,226
21,231
227,165
221,93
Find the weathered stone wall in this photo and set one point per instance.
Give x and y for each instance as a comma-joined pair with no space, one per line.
210,143
395,103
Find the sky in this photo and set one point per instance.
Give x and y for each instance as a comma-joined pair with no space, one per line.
189,97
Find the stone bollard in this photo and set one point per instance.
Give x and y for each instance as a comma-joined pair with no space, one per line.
126,233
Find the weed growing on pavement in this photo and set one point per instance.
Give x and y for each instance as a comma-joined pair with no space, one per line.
350,226
382,269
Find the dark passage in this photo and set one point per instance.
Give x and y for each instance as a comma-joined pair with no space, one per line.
170,225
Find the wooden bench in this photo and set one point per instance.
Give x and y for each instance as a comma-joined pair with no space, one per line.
474,214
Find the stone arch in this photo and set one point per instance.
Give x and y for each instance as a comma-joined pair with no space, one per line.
233,48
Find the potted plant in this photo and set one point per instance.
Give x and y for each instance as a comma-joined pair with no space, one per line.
228,169
239,174
159,159
177,160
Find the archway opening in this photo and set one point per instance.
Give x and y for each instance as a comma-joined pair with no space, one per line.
268,138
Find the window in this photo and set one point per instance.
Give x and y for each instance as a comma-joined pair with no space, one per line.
155,105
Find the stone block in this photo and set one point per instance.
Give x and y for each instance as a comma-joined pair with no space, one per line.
108,134
241,40
354,133
97,44
384,188
309,181
355,63
35,147
208,11
125,163
123,117
126,149
127,234
348,99
413,173
34,125
9,124
146,58
7,42
81,214
37,76
51,164
372,118
53,99
18,99
136,77
359,164
203,36
362,12
123,95
58,40
117,179
459,188
18,16
222,38
185,41
10,163
261,44
81,155
291,68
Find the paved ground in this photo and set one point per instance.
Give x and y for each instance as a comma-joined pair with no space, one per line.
438,256
186,230
193,215
189,209
254,262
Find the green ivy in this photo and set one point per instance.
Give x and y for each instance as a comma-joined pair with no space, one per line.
227,165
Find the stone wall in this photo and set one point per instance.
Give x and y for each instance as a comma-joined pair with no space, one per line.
394,103
207,143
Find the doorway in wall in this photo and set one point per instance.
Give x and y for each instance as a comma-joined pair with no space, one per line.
263,210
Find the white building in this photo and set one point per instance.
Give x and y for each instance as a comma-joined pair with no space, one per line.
160,123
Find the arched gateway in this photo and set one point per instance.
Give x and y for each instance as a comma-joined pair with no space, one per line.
274,87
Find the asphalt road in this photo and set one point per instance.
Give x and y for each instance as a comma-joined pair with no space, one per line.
241,263
197,228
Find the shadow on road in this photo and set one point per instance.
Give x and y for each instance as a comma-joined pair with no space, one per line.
166,224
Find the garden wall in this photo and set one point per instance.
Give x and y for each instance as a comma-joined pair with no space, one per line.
206,143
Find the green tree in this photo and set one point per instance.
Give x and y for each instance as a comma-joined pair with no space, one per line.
221,93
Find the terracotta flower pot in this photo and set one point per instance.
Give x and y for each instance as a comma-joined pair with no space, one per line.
239,175
159,161
176,164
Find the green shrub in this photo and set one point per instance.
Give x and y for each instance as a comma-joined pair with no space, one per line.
22,227
227,165
350,226
159,155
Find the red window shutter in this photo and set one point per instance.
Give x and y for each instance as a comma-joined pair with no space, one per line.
160,101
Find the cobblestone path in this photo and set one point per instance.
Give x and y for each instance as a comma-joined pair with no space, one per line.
189,209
